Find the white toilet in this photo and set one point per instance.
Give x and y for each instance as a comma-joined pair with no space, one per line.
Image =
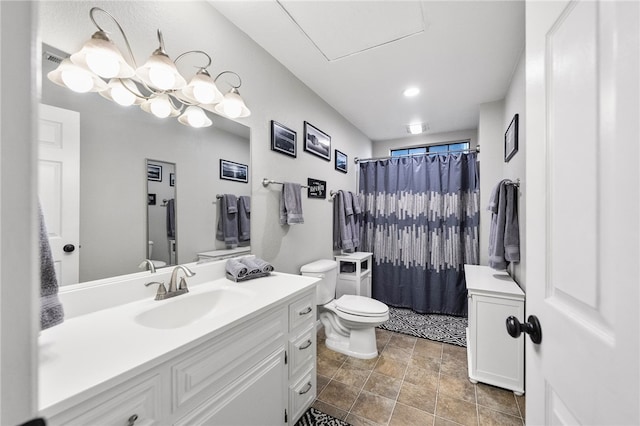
156,263
349,322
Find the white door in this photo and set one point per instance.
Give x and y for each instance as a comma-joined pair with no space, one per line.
59,186
582,212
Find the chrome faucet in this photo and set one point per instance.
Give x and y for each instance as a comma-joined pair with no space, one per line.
174,289
149,265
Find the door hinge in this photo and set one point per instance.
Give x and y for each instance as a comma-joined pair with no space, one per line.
285,416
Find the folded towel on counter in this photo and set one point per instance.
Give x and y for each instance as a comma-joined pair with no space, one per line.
244,218
227,229
291,204
256,264
51,312
236,269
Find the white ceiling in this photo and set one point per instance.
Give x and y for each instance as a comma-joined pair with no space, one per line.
359,56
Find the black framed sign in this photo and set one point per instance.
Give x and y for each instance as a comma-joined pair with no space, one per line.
154,172
341,161
511,139
317,142
234,171
283,139
317,188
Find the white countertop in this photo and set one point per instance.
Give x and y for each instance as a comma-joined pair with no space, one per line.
86,354
483,279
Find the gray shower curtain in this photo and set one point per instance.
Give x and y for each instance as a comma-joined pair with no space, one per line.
420,219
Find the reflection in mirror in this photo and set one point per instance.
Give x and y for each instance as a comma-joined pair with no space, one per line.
161,213
115,142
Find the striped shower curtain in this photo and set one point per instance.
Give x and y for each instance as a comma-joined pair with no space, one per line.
420,219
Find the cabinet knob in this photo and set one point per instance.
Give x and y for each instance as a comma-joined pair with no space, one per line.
531,327
131,420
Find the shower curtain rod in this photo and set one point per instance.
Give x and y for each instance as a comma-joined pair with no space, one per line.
358,160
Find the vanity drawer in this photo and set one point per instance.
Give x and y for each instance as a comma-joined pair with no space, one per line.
118,406
302,350
302,311
302,394
216,365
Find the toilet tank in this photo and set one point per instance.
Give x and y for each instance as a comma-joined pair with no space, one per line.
328,271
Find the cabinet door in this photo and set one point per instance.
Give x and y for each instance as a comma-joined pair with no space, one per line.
256,398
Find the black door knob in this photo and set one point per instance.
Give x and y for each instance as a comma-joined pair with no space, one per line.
531,327
68,248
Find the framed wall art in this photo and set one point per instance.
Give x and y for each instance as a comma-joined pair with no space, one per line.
283,139
317,142
511,139
341,161
154,172
234,171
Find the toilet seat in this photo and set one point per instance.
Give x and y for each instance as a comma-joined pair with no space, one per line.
361,306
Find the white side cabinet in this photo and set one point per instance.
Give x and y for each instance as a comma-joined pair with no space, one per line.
354,274
494,357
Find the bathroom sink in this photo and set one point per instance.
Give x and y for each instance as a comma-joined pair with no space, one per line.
189,308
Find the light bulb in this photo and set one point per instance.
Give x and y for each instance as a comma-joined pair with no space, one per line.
162,78
232,107
195,116
104,64
204,93
160,107
121,95
77,80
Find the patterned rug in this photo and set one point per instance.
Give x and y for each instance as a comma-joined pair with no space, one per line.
442,328
315,417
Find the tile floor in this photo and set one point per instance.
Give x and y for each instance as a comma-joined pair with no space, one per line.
413,381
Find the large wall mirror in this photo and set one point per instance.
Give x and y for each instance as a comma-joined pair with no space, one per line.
117,146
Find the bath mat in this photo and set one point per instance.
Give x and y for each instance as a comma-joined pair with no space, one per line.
315,417
441,328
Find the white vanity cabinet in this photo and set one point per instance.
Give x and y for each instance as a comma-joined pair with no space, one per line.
354,274
259,370
493,356
302,355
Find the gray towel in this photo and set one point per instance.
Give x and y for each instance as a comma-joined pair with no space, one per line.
343,230
251,265
504,237
171,218
236,269
291,204
354,220
51,312
227,229
261,264
244,218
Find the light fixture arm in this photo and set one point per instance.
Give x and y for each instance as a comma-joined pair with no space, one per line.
124,36
230,72
203,68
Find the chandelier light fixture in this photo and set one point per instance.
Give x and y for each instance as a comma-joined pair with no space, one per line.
157,86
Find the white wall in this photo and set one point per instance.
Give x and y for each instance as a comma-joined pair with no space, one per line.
270,91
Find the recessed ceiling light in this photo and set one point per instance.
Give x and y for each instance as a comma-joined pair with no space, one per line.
416,128
411,92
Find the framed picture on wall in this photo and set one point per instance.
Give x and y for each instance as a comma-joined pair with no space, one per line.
154,172
234,171
172,179
283,139
151,199
341,161
317,142
511,139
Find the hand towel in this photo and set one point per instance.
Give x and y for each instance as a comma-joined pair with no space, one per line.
227,229
504,237
171,218
250,264
255,262
236,269
51,312
291,204
341,222
354,220
244,218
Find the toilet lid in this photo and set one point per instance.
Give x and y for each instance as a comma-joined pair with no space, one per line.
359,305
